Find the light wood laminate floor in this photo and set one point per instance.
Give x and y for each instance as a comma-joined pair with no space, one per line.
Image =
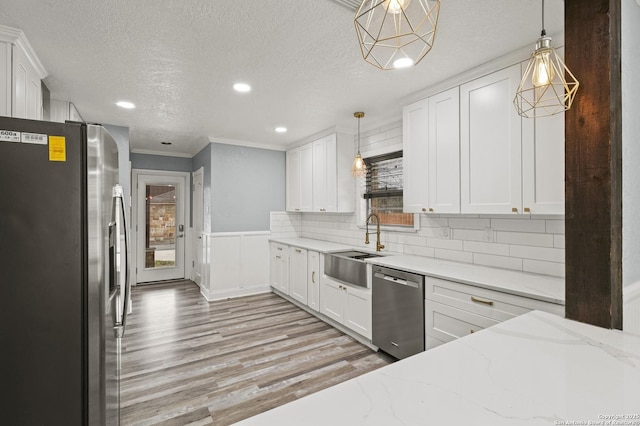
188,361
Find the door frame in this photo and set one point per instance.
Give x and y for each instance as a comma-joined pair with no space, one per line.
134,217
198,215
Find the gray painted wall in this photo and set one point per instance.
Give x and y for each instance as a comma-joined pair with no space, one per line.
630,161
246,185
161,162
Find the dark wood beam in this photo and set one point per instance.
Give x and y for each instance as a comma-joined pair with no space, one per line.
593,138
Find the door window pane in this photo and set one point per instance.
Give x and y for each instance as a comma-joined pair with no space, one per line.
160,236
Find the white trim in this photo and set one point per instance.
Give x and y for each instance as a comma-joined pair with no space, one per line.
248,144
134,216
161,153
321,134
230,294
17,37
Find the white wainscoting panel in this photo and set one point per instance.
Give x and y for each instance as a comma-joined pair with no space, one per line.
235,264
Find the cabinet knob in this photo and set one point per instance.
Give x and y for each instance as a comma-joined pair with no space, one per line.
514,210
430,209
527,210
424,209
471,331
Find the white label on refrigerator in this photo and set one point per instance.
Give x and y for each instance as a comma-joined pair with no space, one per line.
9,136
37,138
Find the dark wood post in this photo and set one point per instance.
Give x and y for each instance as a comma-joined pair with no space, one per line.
593,175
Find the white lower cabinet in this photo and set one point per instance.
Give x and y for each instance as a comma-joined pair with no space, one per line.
347,305
280,267
454,310
298,274
313,280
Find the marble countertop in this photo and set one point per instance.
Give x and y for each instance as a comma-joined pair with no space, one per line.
540,287
536,369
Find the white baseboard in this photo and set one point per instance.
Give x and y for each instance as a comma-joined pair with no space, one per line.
233,293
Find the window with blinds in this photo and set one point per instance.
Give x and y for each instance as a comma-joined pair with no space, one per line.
384,189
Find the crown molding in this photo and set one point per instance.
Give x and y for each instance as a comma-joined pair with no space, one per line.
248,144
17,37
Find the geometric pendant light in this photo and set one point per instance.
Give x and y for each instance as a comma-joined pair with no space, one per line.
396,33
547,86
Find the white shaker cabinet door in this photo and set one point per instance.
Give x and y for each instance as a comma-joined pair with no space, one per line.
293,180
5,79
444,152
313,280
306,178
543,163
298,274
490,151
415,145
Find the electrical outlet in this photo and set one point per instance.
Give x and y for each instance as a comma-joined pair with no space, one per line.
488,235
445,232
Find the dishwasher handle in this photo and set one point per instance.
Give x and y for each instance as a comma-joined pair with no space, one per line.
397,280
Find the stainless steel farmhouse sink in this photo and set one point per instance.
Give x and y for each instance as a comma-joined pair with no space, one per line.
348,266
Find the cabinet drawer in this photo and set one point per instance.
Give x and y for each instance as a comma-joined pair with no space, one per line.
444,323
279,249
489,303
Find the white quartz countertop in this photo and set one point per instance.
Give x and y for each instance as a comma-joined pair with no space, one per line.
536,369
311,244
540,287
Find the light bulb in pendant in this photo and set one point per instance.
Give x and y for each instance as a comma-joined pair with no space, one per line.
543,69
395,6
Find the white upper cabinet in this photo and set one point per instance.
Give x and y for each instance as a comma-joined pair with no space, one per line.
299,190
319,176
490,160
431,144
444,152
20,76
543,164
293,180
415,156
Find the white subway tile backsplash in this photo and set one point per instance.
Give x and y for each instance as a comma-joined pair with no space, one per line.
537,253
518,225
455,255
505,262
487,248
420,251
468,235
469,223
444,244
525,238
558,241
555,226
542,267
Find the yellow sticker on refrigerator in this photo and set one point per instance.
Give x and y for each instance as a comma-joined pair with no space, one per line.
57,148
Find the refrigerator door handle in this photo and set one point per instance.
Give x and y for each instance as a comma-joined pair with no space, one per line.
121,327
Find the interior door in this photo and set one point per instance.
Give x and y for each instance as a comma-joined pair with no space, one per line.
160,227
198,213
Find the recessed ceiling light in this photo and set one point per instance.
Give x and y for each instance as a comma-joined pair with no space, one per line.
125,104
281,129
166,143
242,87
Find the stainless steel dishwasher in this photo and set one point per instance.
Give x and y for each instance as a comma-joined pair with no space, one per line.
398,311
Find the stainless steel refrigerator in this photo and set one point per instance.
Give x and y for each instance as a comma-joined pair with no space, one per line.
63,274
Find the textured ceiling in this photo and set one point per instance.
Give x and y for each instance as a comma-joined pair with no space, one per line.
177,60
